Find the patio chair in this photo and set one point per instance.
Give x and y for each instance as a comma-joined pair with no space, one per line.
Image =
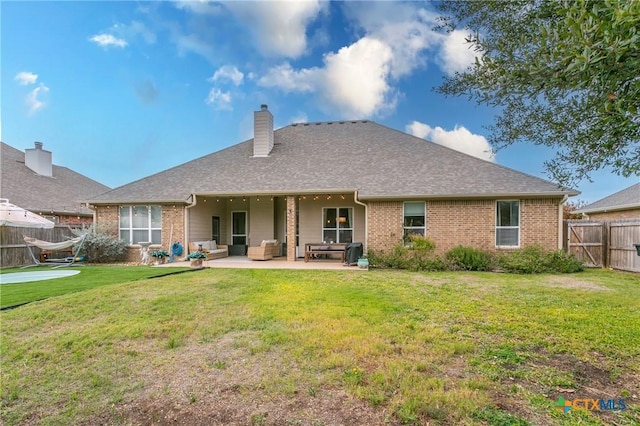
267,250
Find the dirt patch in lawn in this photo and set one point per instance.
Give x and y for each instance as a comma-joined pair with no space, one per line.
590,382
571,281
227,382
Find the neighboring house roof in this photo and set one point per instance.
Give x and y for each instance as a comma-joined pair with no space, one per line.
62,193
628,198
334,157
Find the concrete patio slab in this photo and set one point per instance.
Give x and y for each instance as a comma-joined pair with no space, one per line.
276,263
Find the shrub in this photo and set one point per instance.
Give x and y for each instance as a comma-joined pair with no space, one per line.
527,260
560,261
468,259
535,260
418,242
100,246
418,256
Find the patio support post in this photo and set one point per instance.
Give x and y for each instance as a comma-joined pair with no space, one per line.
291,228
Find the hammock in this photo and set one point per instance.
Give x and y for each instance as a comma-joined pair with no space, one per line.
46,245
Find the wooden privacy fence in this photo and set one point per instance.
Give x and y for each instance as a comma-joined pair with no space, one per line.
14,252
608,244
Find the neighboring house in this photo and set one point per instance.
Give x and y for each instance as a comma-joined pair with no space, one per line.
30,180
341,181
623,204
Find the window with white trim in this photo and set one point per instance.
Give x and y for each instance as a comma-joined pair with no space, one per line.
508,223
414,219
141,223
337,225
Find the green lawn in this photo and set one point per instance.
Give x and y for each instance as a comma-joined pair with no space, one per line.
90,277
326,347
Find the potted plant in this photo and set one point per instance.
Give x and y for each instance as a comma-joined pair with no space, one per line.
196,258
363,263
160,255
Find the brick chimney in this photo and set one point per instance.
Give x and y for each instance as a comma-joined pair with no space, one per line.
39,160
262,132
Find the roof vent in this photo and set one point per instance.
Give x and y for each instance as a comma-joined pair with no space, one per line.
262,132
39,160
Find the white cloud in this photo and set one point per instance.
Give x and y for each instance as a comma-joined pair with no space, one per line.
192,43
353,80
455,53
408,29
25,78
405,27
356,77
459,139
279,28
228,72
284,77
106,40
219,99
300,117
201,7
134,29
33,99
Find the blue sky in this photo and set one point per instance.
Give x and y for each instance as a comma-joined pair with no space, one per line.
121,90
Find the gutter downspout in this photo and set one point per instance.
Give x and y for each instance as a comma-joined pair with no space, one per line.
366,221
186,218
561,221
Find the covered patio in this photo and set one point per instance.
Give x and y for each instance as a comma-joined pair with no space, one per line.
241,221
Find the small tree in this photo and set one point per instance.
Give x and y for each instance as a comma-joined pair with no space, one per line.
570,207
101,246
562,74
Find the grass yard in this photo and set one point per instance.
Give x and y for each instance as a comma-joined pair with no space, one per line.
290,347
91,276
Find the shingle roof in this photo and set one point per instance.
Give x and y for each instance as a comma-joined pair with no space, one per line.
628,198
61,193
378,161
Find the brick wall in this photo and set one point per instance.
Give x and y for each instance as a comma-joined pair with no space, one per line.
172,215
539,222
461,222
75,220
292,207
615,215
107,218
385,224
466,222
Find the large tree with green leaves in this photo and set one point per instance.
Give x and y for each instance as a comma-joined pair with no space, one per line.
565,74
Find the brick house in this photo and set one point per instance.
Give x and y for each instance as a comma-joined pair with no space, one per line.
342,181
623,204
30,180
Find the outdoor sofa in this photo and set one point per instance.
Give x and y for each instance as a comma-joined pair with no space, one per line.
210,248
